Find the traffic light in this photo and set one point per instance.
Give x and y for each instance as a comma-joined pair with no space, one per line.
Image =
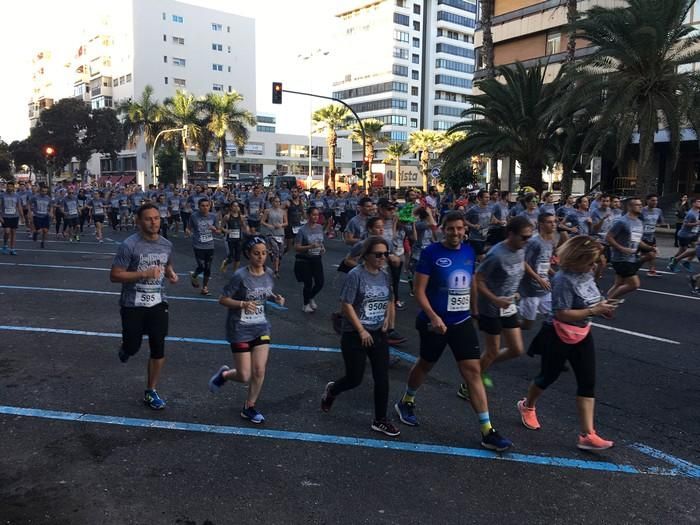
277,92
49,151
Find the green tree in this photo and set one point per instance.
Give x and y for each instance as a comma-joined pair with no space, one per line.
169,164
373,137
64,126
512,118
487,10
27,152
224,114
331,118
459,175
425,143
395,152
184,109
142,119
105,134
643,68
5,160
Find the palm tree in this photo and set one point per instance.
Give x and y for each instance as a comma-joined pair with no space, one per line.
184,109
641,66
487,9
142,118
331,118
512,118
426,142
571,17
224,115
395,152
373,137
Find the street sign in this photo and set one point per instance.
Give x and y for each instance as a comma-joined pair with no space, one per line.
435,173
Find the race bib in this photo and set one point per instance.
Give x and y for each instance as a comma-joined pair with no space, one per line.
234,234
42,207
295,229
279,239
337,213
99,210
635,237
10,209
511,310
206,236
257,317
315,251
148,295
458,300
543,269
696,229
374,312
649,228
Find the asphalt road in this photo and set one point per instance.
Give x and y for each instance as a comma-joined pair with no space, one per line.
78,446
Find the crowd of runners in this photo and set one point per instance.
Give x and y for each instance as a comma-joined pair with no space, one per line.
473,261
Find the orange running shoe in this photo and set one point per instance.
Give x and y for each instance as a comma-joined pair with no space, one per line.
593,441
528,416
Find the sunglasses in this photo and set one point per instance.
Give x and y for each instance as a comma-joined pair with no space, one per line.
378,255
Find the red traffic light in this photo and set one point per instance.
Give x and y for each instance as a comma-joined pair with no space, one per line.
48,150
277,92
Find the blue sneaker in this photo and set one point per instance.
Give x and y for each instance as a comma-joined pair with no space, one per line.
405,412
217,380
153,400
5,250
494,441
13,252
252,415
688,267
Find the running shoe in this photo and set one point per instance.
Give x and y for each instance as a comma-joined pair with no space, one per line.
13,252
217,380
327,398
463,391
307,309
194,279
223,266
313,304
400,305
43,245
653,273
395,338
5,250
77,238
385,427
405,412
394,360
486,379
123,356
494,441
35,236
593,441
528,416
252,415
153,400
688,267
693,289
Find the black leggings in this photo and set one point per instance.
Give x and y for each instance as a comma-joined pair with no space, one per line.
203,259
395,279
555,353
164,227
84,216
138,321
59,218
234,250
355,356
310,272
113,218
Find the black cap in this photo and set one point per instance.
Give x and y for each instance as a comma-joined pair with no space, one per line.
385,203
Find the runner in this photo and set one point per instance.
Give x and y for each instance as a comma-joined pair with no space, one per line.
235,227
202,227
96,208
71,213
164,211
174,208
10,213
478,221
367,307
444,292
535,288
386,210
295,216
254,205
356,228
687,235
532,210
651,217
274,221
185,212
141,264
41,208
601,221
425,230
565,336
247,327
625,239
84,209
308,266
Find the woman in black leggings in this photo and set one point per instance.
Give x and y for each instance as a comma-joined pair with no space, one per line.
368,308
565,336
308,267
235,226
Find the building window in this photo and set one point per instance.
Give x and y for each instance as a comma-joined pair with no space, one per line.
179,82
454,50
163,15
415,59
165,38
178,40
400,52
455,35
265,129
400,36
414,122
115,82
229,89
400,19
456,19
453,81
401,87
416,42
442,125
414,107
459,4
179,61
165,59
375,105
447,110
217,67
400,3
216,27
229,49
396,136
414,91
217,87
454,66
553,43
399,70
178,19
229,69
416,9
228,29
165,80
121,80
128,78
414,74
416,26
217,47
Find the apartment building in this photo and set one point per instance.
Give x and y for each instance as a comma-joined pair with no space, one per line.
50,82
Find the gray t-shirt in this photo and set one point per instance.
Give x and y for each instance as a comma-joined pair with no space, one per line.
502,269
310,234
606,216
573,291
357,226
243,327
41,205
137,254
482,217
650,218
9,205
369,294
71,207
627,232
202,236
538,254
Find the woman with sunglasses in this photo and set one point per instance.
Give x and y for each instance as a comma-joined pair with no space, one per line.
565,336
368,309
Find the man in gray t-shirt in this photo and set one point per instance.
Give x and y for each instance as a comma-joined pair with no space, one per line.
356,229
625,239
203,226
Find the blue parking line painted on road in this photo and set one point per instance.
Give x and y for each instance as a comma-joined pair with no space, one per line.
55,266
402,446
44,250
686,467
194,340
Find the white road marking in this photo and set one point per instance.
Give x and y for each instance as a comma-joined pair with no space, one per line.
636,334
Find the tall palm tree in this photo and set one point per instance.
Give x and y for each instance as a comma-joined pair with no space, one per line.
225,115
571,17
331,118
184,109
487,10
395,152
373,137
512,118
640,66
142,119
425,142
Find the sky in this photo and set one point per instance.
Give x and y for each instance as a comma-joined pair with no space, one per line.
285,29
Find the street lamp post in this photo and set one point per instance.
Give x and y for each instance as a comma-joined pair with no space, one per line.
307,59
49,152
155,142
